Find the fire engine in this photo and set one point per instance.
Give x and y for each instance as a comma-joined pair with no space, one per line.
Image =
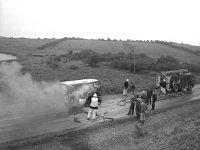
175,80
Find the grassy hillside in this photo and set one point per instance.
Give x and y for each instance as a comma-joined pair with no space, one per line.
192,47
21,47
155,50
151,49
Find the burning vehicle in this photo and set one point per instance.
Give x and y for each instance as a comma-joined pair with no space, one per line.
79,92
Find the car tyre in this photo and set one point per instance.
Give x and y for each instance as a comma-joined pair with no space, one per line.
189,88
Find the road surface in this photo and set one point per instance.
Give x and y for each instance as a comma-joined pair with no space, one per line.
33,125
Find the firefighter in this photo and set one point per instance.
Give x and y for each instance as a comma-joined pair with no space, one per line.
143,110
132,105
93,107
154,99
163,86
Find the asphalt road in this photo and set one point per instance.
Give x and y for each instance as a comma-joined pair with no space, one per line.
29,126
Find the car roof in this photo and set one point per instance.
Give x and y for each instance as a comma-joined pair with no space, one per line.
175,72
83,81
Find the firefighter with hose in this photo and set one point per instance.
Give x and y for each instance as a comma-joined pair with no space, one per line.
93,107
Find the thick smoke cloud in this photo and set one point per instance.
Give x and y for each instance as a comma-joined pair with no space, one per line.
20,95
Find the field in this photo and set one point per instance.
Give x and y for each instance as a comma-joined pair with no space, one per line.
34,60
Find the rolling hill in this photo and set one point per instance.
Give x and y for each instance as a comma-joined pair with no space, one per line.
24,46
151,49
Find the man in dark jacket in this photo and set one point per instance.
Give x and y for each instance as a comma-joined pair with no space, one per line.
154,99
144,97
132,87
132,105
125,90
149,95
143,111
137,106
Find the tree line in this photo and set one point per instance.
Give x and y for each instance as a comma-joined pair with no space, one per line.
125,61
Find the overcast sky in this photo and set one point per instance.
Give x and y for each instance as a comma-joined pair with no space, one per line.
167,20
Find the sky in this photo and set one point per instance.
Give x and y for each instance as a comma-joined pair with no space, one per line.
165,20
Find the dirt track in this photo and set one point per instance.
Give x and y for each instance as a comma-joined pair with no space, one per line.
61,123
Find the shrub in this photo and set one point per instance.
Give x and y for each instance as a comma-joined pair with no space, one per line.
167,59
166,67
75,56
57,58
93,60
124,64
86,53
142,62
83,54
119,55
107,57
167,63
121,64
191,67
70,52
52,63
114,63
74,67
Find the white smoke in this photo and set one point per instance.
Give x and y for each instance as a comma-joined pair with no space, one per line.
21,95
77,94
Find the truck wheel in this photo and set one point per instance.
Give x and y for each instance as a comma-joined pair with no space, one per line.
176,88
189,88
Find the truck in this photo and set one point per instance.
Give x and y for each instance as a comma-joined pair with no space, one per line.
175,80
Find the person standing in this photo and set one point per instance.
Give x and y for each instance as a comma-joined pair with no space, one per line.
144,97
163,86
132,105
93,107
132,87
154,99
149,95
143,111
126,85
137,106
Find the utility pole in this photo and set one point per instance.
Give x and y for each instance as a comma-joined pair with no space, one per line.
133,57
